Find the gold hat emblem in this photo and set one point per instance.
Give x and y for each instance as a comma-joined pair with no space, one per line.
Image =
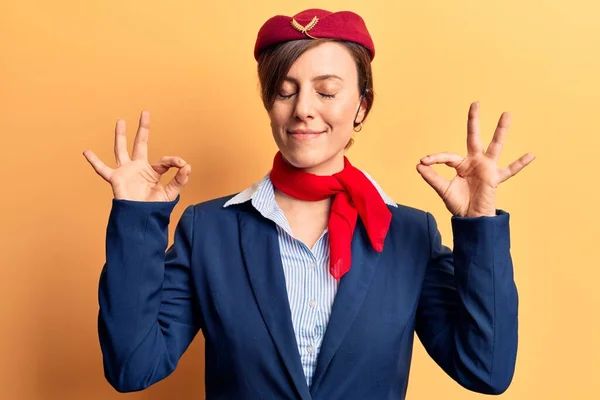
304,29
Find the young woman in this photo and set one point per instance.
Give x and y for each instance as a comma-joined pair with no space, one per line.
311,283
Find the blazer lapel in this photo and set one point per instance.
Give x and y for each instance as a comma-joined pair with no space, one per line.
260,246
351,293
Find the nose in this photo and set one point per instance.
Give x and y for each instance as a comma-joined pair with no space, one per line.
304,109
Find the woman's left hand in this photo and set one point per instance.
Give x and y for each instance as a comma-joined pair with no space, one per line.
472,192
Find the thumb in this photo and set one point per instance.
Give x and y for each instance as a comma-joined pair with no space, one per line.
179,180
435,180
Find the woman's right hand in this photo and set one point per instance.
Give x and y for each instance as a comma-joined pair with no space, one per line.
134,178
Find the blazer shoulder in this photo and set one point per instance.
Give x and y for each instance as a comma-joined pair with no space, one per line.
216,207
408,215
410,221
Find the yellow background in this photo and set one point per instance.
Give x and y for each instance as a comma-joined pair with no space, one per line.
69,69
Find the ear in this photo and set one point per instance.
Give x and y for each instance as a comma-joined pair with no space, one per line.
362,111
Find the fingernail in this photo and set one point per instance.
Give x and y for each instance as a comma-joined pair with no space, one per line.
181,162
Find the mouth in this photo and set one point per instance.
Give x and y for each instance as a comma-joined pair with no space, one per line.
304,134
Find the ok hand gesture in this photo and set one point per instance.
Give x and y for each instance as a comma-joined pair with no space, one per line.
472,192
134,178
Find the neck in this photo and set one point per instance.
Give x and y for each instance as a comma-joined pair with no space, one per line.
328,167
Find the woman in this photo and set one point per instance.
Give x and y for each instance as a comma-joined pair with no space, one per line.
310,283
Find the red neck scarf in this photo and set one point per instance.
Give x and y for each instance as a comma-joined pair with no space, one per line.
354,195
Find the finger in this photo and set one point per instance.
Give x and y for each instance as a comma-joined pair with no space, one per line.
450,159
474,145
438,183
179,180
100,168
140,145
516,166
168,162
495,147
121,155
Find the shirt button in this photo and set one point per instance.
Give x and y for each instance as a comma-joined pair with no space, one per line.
312,304
310,349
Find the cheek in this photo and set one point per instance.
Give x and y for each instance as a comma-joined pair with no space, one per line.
278,115
339,113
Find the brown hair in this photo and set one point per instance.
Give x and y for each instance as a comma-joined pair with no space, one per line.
275,62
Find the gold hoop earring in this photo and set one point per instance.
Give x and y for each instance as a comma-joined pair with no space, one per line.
360,126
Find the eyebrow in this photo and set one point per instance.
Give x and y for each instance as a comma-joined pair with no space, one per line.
316,78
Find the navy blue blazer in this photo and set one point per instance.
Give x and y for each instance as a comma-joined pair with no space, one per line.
223,276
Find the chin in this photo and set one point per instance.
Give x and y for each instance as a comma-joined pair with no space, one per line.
315,161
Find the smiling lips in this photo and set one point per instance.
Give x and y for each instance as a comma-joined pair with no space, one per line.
303,134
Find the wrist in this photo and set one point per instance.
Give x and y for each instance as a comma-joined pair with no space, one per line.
475,214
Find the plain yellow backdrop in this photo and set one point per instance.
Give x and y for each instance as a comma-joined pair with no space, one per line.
69,69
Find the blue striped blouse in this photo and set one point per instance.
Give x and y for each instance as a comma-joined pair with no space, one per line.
311,288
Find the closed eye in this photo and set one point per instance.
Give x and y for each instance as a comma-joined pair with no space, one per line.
289,96
285,96
327,96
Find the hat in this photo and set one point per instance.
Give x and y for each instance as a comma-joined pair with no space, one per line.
314,23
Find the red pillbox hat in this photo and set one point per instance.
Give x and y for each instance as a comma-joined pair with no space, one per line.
314,23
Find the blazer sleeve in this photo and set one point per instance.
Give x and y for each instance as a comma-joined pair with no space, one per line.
467,313
147,316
